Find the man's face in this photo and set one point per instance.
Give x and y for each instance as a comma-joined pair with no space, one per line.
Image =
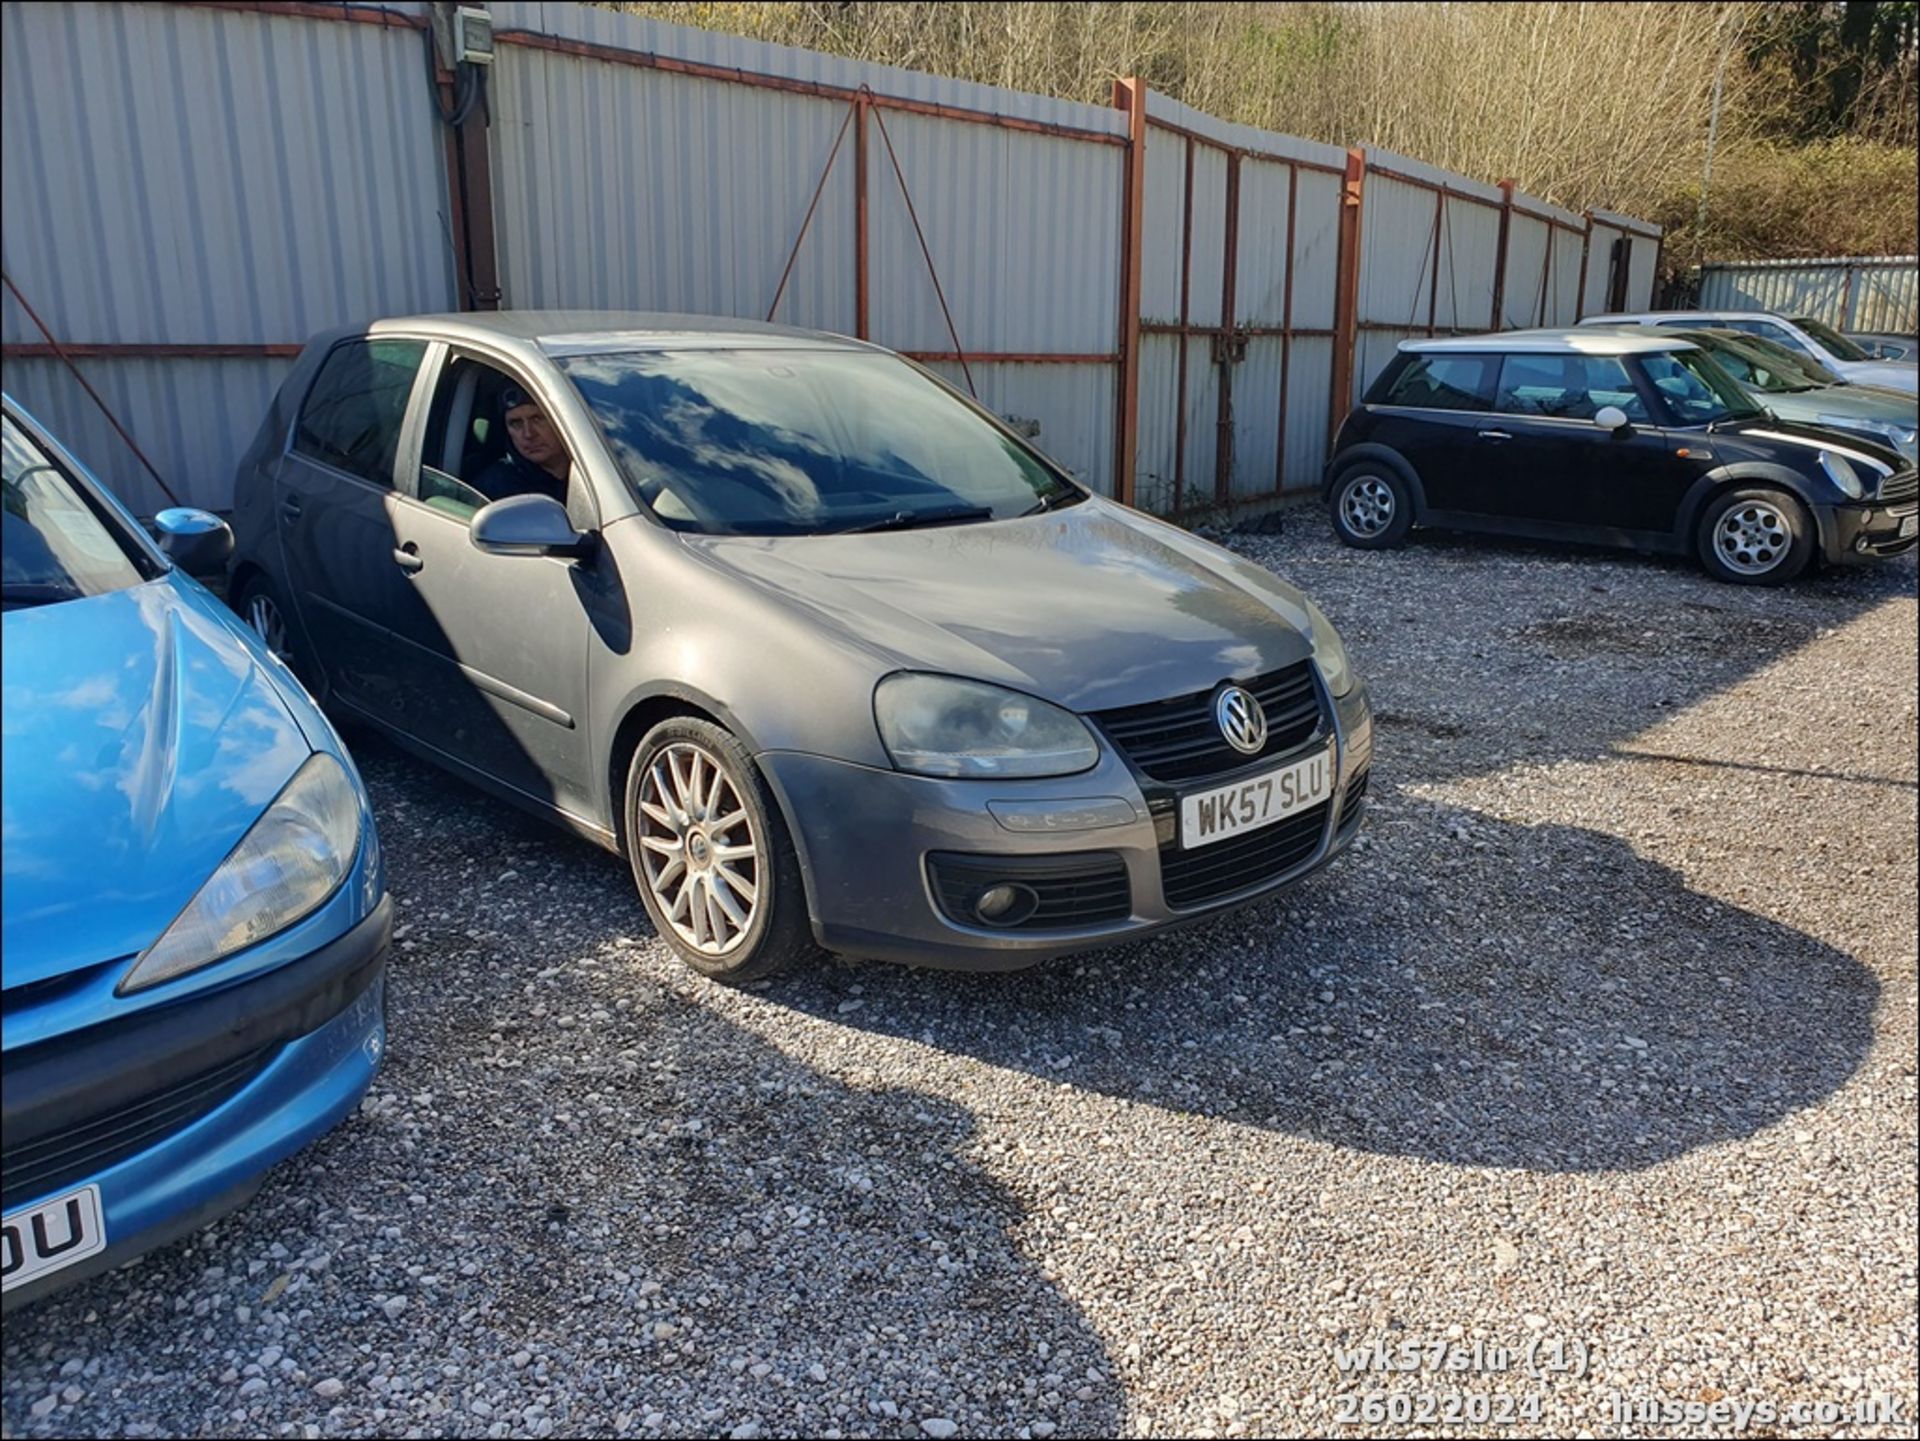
533,434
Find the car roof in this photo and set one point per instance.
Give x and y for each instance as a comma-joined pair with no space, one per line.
1583,341
1639,317
593,332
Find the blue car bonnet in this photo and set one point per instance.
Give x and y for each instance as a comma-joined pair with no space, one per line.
142,738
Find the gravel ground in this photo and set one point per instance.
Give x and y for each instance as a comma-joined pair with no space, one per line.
1604,1037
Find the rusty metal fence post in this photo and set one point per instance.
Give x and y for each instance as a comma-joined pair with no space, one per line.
1500,261
1346,295
1130,95
862,320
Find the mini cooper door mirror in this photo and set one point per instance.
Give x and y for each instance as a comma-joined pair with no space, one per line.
528,525
197,541
1610,417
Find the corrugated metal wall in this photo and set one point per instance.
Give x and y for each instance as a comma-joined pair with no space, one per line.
194,176
628,187
1429,261
181,176
1877,293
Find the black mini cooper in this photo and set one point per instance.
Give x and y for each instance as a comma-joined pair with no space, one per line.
1624,438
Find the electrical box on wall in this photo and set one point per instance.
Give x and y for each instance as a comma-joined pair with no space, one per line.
462,35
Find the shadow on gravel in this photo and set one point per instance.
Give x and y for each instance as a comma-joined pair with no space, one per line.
1411,1001
594,1197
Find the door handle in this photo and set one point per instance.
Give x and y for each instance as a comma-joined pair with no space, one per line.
1496,435
290,508
408,557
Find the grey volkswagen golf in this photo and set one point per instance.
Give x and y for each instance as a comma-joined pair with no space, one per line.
827,652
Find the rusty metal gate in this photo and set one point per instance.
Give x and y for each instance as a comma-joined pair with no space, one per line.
1239,268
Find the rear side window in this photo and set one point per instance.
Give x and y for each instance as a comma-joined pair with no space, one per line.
1444,382
1567,387
358,403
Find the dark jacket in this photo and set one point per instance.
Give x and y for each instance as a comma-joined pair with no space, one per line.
513,475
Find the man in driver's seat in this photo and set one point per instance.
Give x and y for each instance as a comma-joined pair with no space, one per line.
536,460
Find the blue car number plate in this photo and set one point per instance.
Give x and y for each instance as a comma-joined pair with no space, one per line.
51,1234
1214,815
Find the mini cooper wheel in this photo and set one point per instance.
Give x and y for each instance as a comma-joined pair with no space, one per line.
1755,536
711,855
1372,508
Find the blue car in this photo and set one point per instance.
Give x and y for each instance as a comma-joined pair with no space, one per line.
195,922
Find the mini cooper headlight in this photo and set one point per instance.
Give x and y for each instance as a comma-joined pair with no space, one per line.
935,725
1840,471
289,862
1331,652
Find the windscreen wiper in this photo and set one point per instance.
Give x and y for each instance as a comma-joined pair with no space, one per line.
1049,502
913,519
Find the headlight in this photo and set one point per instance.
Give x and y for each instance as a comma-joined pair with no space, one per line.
1903,438
291,859
1330,651
1840,471
935,725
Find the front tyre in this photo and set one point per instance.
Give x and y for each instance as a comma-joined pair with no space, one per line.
711,855
1756,535
1372,508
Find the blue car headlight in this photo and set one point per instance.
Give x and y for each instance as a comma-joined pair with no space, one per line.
289,862
1331,652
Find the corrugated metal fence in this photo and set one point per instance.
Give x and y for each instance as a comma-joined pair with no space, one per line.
1873,293
1178,309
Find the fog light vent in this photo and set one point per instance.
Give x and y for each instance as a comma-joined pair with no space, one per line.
1031,892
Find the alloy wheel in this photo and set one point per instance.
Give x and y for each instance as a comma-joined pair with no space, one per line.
267,622
1366,505
1752,537
699,851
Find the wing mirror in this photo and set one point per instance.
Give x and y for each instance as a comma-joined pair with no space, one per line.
196,541
1611,417
528,525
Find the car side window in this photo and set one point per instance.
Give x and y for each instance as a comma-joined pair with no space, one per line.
470,457
1445,382
352,416
1566,387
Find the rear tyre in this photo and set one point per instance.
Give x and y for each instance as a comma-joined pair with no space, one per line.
1372,507
1755,535
711,855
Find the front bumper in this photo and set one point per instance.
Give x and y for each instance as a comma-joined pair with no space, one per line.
307,1037
1865,532
864,836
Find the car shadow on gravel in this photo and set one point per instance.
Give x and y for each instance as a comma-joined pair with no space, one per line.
1412,1001
578,1195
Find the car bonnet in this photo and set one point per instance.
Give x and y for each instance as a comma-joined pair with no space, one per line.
142,736
1091,606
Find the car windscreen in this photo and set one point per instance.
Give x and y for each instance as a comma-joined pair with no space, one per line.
54,546
1778,354
1834,341
804,442
1695,390
1753,368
